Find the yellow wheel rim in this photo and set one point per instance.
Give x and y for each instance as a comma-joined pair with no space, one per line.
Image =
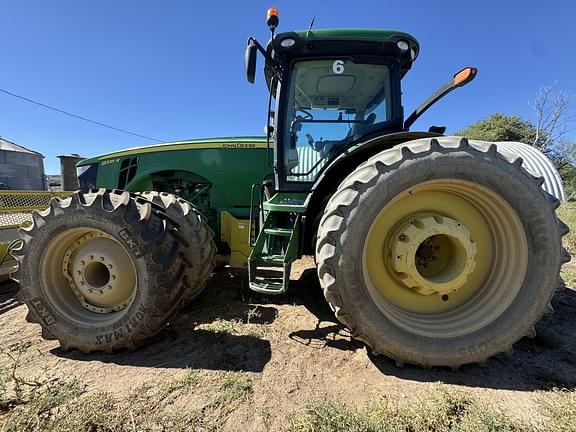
432,254
100,272
88,275
470,283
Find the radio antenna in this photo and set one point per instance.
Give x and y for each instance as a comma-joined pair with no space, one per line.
314,17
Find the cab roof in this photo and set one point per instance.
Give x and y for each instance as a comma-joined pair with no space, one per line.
342,42
356,34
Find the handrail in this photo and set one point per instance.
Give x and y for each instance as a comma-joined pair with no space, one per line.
259,187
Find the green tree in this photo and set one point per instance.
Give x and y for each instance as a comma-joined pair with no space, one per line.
568,173
500,127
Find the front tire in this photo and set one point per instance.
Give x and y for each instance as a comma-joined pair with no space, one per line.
440,252
100,271
196,237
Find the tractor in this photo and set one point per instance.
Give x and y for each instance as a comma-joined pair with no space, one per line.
433,250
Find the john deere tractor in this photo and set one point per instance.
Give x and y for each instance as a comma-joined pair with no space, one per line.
433,250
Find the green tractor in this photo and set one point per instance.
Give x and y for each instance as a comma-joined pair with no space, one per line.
433,250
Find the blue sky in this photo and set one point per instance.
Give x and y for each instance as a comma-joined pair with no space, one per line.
173,69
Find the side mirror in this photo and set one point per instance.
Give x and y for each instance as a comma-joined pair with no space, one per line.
464,76
250,61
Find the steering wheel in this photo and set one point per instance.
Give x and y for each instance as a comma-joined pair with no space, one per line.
310,139
307,115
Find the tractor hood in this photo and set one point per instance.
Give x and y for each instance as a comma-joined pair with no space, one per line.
201,143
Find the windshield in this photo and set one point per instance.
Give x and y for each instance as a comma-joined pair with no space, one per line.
329,103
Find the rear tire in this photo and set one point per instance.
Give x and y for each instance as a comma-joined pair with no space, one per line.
196,237
100,271
440,252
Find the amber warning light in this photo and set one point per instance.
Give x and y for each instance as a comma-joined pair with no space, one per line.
464,76
272,18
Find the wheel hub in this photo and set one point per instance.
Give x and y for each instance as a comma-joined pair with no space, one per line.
99,272
432,254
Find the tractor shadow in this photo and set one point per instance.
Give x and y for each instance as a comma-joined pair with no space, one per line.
203,335
8,301
542,363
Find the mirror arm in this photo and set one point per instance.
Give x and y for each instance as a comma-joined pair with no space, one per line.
423,107
462,78
260,48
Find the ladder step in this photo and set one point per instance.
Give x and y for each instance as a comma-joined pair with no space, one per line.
272,259
284,232
266,286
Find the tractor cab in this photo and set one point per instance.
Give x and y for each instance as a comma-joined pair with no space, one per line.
332,89
335,101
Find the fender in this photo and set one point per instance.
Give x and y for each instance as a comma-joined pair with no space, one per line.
327,183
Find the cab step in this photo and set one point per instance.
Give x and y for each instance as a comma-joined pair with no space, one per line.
282,232
270,285
275,249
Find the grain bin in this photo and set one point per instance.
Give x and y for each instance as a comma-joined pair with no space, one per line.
20,168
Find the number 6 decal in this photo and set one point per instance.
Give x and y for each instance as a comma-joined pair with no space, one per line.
338,67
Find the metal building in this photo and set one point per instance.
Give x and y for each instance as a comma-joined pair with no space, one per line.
20,168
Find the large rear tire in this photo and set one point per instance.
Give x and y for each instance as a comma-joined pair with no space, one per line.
100,271
440,252
197,239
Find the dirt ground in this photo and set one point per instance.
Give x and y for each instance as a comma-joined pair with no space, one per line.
295,352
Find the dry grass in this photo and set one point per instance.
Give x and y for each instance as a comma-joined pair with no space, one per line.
567,213
560,407
441,411
65,404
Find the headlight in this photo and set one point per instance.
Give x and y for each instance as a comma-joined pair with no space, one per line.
287,43
402,45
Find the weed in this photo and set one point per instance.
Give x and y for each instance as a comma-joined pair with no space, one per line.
14,389
443,413
44,402
235,386
222,326
567,212
236,326
560,407
253,313
182,384
568,274
65,405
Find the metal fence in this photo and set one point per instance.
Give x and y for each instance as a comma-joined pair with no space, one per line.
16,209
